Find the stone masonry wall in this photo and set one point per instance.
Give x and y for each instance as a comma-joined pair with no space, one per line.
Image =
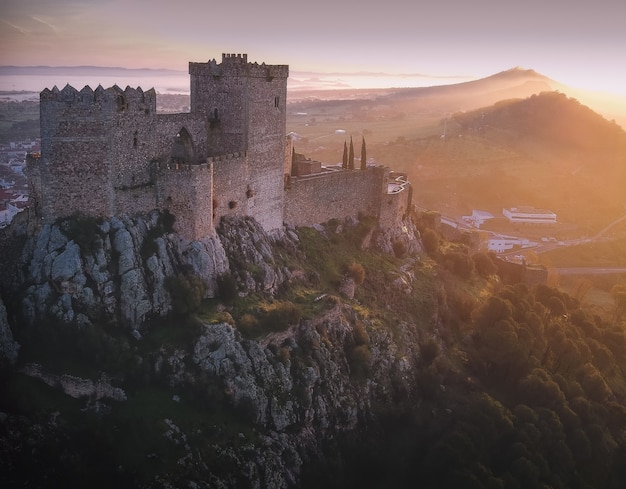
341,194
107,152
231,195
394,207
186,191
74,140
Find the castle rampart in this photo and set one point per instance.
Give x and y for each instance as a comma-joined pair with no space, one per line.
106,152
336,194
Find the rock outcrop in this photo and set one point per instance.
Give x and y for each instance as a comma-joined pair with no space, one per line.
296,387
82,271
8,347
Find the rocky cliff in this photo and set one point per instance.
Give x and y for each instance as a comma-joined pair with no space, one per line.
237,398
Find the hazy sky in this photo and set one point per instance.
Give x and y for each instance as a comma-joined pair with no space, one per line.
581,43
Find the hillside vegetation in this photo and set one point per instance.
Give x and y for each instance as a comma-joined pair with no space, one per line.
365,369
546,150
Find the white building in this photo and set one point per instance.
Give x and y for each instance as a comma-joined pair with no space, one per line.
7,215
529,215
501,244
478,218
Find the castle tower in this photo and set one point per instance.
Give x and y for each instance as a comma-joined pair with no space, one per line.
73,169
106,152
245,105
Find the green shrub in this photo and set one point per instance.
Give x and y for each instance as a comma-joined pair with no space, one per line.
269,317
484,265
83,230
227,288
278,316
361,337
248,325
360,360
430,240
459,263
165,224
429,350
356,272
166,221
187,292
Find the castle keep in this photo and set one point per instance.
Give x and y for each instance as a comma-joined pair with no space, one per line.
106,152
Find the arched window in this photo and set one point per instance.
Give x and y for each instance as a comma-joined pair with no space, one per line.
183,150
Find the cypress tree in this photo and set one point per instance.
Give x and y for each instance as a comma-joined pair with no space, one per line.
351,156
363,155
344,165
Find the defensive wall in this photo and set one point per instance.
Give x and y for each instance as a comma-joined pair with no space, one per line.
106,152
340,194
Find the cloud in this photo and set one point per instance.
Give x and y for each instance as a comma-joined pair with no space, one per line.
46,23
17,28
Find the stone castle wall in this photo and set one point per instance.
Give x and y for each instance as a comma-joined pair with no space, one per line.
186,191
395,206
318,198
106,152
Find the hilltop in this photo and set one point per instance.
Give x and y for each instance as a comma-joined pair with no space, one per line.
548,150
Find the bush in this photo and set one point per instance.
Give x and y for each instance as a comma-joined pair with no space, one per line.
227,288
460,264
83,230
360,360
280,315
165,224
274,317
430,240
356,272
166,221
429,350
484,265
248,325
187,292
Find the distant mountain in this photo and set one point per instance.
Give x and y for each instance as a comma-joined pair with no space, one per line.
513,83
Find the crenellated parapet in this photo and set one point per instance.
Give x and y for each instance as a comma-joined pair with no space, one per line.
227,157
112,99
180,167
238,65
106,151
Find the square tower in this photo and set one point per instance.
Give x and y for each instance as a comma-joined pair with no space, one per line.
245,107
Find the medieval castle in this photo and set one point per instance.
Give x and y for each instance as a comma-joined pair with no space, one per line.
106,152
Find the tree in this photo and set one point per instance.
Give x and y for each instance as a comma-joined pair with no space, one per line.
363,155
344,163
351,156
484,265
430,241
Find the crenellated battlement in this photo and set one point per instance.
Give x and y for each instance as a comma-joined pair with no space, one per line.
106,152
234,58
113,98
177,166
238,65
226,157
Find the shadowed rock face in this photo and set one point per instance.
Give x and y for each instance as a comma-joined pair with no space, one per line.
299,387
8,348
